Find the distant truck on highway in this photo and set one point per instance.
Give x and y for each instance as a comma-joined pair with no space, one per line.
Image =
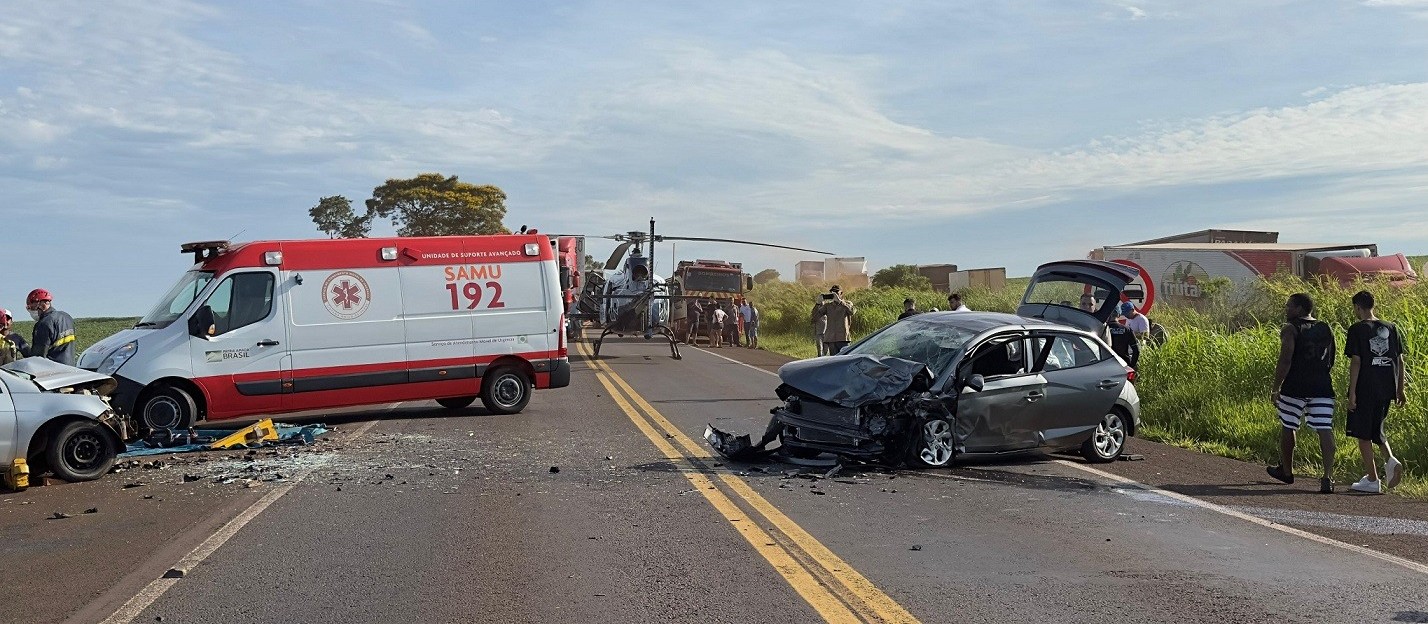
708,282
1176,273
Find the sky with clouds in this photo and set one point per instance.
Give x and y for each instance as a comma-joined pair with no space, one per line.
975,133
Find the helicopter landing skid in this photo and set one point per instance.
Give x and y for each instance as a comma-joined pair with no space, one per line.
660,329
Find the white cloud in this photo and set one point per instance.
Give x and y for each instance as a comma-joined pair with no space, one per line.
416,33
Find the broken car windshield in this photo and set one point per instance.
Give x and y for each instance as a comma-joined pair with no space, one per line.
929,342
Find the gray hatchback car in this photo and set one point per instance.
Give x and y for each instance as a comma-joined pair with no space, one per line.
935,385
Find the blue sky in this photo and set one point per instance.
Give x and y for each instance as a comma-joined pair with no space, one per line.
976,133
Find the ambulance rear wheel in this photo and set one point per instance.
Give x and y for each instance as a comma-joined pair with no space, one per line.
169,407
505,391
456,403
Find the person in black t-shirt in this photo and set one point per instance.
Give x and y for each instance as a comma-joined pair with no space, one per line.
1303,387
1376,379
1124,342
909,308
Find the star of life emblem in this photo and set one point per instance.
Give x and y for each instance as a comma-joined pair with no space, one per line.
346,295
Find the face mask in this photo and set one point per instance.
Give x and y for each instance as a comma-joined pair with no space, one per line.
35,314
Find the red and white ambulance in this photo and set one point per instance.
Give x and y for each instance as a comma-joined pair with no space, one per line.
282,326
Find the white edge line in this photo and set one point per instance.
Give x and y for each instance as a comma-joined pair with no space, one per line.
729,359
1221,509
156,588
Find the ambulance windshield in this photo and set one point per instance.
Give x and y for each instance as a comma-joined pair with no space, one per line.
173,305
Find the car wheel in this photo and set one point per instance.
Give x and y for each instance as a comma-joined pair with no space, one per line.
933,445
81,451
456,403
169,407
1109,440
505,391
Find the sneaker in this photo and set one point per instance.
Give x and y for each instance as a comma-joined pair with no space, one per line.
1326,486
1393,472
1367,485
1279,473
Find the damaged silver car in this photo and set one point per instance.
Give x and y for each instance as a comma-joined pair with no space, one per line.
933,386
54,418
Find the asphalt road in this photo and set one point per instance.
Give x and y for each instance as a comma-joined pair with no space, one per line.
600,503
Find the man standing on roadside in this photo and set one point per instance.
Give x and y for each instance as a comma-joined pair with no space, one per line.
1123,342
839,314
820,324
909,308
1137,322
716,330
751,324
1376,379
954,303
53,336
1303,387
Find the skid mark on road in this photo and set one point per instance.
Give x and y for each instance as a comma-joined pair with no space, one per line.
832,587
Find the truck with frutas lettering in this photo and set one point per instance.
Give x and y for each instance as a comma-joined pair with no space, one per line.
269,327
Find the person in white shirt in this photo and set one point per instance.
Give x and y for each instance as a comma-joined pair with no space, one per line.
716,333
954,303
751,324
1137,322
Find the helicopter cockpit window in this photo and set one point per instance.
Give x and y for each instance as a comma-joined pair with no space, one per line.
640,273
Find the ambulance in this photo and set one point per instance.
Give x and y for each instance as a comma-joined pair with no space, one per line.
271,327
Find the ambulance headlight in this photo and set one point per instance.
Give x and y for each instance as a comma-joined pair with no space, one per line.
117,358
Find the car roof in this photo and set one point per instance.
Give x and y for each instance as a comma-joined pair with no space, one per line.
984,321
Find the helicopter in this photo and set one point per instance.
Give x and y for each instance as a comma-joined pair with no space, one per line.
629,297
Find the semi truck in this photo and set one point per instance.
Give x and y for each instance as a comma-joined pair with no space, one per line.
1176,273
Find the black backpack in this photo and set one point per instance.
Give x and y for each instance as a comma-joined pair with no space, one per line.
1313,346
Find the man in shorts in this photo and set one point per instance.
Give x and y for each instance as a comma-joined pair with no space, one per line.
1303,387
1376,379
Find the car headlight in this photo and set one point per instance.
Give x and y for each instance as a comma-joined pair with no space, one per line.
117,358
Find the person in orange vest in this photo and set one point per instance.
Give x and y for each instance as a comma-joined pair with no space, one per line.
53,336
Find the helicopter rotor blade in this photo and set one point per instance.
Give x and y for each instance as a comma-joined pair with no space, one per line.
615,258
742,242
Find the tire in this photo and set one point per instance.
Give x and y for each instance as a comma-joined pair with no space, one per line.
169,407
933,445
505,390
1108,441
81,451
456,403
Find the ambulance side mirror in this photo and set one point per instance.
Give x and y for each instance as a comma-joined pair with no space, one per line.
200,322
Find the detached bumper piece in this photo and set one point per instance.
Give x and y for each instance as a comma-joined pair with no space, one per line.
741,447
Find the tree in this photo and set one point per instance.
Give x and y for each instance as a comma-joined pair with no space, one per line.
765,276
429,204
334,217
901,275
591,264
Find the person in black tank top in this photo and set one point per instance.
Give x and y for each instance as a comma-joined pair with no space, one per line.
1304,387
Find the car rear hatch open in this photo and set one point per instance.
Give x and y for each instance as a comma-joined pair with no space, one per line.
1079,293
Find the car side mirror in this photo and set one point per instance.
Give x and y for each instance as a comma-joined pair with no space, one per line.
200,322
976,383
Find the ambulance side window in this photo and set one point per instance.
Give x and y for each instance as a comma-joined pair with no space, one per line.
241,300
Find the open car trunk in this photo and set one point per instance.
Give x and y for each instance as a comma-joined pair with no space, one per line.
1080,293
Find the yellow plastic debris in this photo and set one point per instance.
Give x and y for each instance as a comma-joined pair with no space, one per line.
18,477
260,431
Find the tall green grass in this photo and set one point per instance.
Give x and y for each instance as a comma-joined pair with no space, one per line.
1208,386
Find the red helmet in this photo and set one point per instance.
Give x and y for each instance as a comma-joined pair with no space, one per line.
37,295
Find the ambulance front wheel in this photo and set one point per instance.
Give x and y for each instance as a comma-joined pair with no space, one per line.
168,407
505,391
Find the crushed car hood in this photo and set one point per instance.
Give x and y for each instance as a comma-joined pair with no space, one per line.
852,380
52,376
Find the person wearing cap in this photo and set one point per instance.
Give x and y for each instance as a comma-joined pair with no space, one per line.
13,346
954,303
53,336
1123,341
1137,322
839,314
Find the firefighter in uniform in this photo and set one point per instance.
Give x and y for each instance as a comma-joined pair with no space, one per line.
53,337
12,345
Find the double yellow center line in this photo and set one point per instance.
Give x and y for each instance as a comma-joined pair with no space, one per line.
832,587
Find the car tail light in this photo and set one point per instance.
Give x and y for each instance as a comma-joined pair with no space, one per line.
1130,374
561,351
